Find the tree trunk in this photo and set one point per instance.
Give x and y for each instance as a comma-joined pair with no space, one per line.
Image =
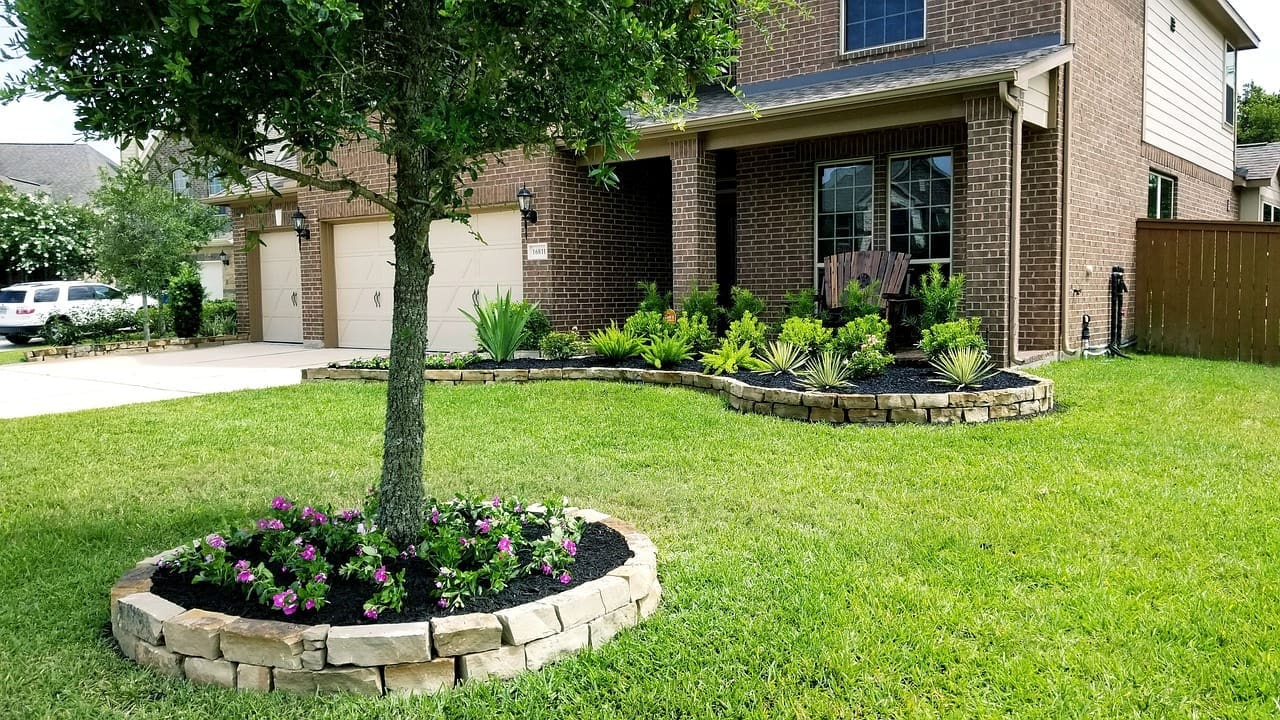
146,319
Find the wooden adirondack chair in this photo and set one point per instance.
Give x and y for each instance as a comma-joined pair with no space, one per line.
866,266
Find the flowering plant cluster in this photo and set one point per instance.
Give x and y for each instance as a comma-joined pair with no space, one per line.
430,361
288,559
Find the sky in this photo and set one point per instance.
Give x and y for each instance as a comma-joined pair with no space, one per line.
34,120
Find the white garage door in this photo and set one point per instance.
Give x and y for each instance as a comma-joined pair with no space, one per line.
364,277
279,273
211,279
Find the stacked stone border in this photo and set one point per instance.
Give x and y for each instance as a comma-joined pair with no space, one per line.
63,352
939,408
420,657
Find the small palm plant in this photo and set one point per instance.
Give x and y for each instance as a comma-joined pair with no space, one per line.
828,371
500,324
780,357
964,367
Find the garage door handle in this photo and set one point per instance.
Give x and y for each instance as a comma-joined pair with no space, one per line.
377,298
295,299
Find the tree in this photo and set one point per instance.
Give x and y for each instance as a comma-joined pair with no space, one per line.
148,232
1259,120
44,240
439,86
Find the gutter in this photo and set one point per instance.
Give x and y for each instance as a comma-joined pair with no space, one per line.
1064,211
1015,224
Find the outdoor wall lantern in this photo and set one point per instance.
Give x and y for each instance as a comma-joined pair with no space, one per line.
525,197
300,226
226,259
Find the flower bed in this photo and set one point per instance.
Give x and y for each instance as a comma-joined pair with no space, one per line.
459,606
904,394
131,346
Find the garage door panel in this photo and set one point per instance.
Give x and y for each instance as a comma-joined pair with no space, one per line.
279,274
364,280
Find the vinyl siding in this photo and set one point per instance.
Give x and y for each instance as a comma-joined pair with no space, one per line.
1036,103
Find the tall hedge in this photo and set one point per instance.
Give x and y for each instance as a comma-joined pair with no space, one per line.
186,297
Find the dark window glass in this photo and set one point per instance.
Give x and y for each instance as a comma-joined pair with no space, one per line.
844,196
871,23
1229,65
47,295
80,292
13,296
920,208
1161,196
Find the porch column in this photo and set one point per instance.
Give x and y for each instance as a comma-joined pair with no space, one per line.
693,216
987,236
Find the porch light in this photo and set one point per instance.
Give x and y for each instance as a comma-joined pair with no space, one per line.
300,226
524,196
226,259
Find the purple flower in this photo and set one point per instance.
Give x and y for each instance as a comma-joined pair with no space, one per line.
570,547
380,574
435,516
462,541
565,578
321,578
242,565
290,609
485,525
371,613
315,517
519,508
546,569
308,553
504,544
439,585
348,515
442,602
270,524
279,503
244,576
309,604
297,540
497,501
285,600
216,542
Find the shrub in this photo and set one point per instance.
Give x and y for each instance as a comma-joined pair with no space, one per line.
161,318
500,325
827,371
704,303
186,297
857,301
613,344
869,361
939,297
743,301
647,324
449,361
538,325
560,345
88,323
377,362
801,303
218,317
747,330
695,331
653,301
729,358
965,367
666,352
938,339
808,334
858,333
782,357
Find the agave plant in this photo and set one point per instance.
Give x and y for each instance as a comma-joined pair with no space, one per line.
613,343
780,357
500,324
828,371
964,367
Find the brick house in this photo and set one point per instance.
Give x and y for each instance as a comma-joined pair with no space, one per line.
1016,141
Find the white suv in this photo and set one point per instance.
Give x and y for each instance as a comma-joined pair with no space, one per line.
26,308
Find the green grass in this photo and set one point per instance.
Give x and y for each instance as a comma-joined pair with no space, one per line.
1116,559
12,356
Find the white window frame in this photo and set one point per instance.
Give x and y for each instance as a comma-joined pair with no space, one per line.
1234,106
817,188
1273,210
949,261
1173,203
844,27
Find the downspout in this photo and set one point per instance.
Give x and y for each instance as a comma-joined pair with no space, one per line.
1064,212
1015,224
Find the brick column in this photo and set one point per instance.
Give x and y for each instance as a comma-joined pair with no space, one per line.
989,194
693,216
311,270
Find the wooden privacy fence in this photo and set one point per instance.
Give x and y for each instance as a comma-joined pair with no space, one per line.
1209,289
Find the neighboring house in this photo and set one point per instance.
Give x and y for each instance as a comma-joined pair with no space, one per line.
1258,168
1016,141
61,171
167,164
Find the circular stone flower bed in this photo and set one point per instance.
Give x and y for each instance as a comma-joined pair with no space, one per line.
350,637
903,394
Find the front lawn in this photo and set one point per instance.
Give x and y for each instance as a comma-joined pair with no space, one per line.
12,356
1116,559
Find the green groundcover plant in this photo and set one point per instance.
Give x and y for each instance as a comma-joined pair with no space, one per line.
290,558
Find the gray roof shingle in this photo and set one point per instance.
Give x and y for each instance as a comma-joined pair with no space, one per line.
1259,161
60,170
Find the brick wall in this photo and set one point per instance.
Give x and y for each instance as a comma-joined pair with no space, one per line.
986,265
1041,241
693,216
799,45
259,217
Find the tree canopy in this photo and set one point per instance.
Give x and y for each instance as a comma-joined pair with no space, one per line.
44,240
1259,119
439,86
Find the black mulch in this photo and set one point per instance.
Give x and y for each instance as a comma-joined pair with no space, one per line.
602,549
899,378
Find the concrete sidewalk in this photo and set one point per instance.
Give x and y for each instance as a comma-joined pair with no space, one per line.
42,388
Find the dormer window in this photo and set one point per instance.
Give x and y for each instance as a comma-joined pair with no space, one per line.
875,23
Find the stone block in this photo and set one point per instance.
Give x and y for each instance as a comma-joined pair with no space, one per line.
476,376
962,399
826,414
781,395
510,375
527,622
313,638
795,412
761,408
998,412
1029,407
373,645
587,515
420,678
128,642
734,387
550,649
210,672
946,415
893,401
615,592
253,678
144,614
640,578
820,400
605,627
137,580
196,633
503,663
648,604
865,415
357,680
861,402
908,415
1041,390
702,381
263,642
313,659
462,634
545,374
578,606
977,414
159,658
931,400
736,402
753,393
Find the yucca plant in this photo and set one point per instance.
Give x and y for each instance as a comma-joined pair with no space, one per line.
780,357
666,352
729,358
964,367
500,324
613,343
828,371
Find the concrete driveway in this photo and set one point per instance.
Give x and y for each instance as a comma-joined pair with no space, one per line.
55,386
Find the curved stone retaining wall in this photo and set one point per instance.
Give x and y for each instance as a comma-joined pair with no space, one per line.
419,657
61,352
945,407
